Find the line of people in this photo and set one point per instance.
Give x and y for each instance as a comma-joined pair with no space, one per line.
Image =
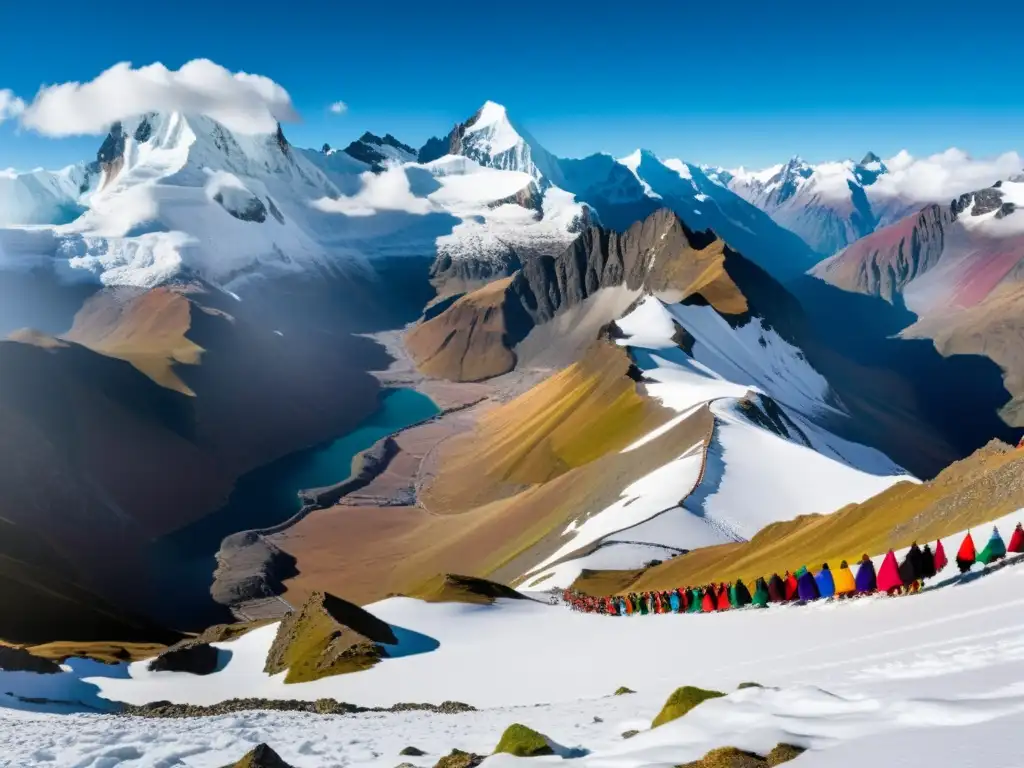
892,578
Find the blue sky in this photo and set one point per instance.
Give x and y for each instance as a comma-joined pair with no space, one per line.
729,83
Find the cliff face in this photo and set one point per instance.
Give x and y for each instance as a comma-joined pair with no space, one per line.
476,336
883,263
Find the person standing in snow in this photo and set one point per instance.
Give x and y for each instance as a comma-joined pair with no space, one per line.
1016,545
867,581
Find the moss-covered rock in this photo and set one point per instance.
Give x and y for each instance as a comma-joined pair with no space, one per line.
783,753
623,690
741,686
731,757
682,701
521,741
454,588
459,759
327,636
412,752
260,757
728,757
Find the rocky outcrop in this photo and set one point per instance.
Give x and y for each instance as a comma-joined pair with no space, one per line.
19,660
370,149
165,709
248,568
252,209
476,336
196,658
882,263
452,588
327,636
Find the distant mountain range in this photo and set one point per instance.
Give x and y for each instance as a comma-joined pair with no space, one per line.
192,304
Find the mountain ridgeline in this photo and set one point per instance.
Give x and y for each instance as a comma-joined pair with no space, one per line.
209,313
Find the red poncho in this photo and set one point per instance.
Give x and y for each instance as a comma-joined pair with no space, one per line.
1016,540
940,556
889,574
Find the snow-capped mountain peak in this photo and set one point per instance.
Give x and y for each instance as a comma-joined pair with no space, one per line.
491,138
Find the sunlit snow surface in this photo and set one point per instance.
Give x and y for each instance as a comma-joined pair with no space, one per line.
170,207
918,676
752,476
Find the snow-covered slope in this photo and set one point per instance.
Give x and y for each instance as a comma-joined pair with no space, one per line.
825,204
42,197
490,138
704,204
173,195
765,460
932,678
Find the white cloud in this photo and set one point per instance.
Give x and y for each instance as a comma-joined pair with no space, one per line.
241,102
387,191
339,107
942,177
10,105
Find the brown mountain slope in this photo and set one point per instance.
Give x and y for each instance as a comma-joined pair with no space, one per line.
476,337
496,507
147,328
994,327
982,487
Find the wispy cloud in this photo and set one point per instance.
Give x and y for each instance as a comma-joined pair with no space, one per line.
10,105
241,101
339,107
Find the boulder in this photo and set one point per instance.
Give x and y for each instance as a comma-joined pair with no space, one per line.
19,660
260,757
623,690
459,759
412,752
521,741
327,636
682,701
196,658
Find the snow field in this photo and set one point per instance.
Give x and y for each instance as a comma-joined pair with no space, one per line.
915,674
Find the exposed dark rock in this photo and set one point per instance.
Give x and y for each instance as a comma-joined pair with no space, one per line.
434,149
985,201
274,211
249,567
367,149
162,709
254,209
19,660
190,656
144,130
412,752
113,145
629,734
